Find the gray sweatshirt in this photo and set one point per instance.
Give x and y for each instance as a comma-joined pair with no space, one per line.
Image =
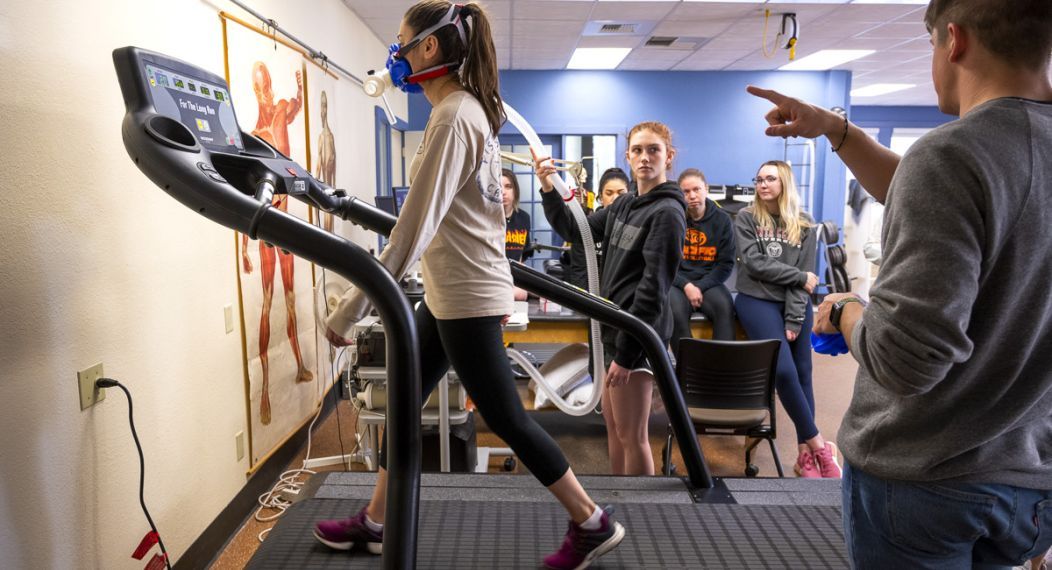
771,268
955,347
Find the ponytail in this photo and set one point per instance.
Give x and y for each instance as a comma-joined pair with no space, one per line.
479,71
478,59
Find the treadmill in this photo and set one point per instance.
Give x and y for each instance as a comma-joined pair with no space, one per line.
187,141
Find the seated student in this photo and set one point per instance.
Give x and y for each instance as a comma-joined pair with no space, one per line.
517,225
777,245
708,258
612,184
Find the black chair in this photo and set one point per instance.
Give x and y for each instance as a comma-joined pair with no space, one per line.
728,387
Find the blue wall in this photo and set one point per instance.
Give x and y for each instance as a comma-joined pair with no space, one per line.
888,118
716,125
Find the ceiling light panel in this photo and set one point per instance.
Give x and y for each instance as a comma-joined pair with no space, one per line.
597,58
826,59
878,89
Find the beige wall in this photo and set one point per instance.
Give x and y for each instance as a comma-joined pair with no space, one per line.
97,264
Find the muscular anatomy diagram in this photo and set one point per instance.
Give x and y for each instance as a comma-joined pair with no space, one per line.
272,126
325,170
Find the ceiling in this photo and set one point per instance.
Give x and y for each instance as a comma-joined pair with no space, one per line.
713,36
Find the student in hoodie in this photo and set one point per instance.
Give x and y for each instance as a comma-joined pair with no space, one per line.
642,239
517,225
612,184
708,259
776,244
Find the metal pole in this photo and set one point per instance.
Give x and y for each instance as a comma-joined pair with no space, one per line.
315,54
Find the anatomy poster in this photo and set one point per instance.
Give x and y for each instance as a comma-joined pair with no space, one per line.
268,87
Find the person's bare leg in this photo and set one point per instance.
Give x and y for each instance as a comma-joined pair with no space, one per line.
613,444
266,272
377,509
569,492
631,405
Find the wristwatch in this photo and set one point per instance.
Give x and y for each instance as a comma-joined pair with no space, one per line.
838,309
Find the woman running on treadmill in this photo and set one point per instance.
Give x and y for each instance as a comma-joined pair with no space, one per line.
453,220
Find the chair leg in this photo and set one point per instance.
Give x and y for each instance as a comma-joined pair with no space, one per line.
666,455
750,469
777,460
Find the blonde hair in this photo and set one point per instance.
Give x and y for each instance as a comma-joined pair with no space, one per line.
791,218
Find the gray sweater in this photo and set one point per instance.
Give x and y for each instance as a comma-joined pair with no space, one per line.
771,268
955,347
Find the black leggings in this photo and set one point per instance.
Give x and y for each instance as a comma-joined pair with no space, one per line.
716,305
475,348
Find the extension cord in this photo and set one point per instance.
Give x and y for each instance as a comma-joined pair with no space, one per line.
291,494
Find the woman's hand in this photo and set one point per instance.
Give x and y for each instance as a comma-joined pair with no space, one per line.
336,339
616,375
791,335
812,282
543,168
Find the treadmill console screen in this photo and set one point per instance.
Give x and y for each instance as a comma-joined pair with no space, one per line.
204,107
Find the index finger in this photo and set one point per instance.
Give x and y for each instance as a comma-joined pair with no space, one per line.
769,94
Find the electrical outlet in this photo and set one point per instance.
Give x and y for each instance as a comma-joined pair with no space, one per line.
89,394
239,441
228,317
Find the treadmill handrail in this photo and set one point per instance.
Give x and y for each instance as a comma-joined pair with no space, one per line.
592,306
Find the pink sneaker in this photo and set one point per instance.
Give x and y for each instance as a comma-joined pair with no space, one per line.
806,467
581,547
343,534
828,459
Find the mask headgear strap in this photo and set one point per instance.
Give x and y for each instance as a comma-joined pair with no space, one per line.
452,18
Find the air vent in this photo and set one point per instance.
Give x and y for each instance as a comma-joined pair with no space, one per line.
661,41
617,29
676,43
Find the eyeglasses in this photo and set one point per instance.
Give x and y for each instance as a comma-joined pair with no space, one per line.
769,180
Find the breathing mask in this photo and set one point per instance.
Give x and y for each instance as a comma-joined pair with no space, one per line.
398,73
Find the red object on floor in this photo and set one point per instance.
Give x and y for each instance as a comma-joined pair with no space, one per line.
145,545
157,562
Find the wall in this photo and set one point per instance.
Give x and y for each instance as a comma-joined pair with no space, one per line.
100,265
716,125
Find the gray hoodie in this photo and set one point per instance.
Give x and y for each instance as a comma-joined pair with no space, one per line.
771,268
955,347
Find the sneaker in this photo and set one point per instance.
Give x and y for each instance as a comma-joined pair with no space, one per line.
828,460
582,547
806,467
343,534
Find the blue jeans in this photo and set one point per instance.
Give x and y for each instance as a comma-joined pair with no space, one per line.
764,319
905,525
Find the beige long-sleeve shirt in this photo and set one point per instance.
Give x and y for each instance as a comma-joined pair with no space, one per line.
452,218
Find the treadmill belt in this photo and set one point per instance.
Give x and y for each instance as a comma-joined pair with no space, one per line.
475,534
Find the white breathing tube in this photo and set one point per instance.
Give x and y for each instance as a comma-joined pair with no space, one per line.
593,283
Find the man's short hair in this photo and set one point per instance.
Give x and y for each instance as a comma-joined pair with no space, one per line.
691,172
1017,31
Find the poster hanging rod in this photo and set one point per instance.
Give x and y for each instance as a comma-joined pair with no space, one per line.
314,54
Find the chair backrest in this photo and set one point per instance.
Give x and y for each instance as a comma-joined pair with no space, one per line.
728,375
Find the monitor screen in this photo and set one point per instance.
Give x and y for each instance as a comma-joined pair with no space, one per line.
387,204
205,108
400,193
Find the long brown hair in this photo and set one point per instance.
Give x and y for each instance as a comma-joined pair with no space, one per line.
478,69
